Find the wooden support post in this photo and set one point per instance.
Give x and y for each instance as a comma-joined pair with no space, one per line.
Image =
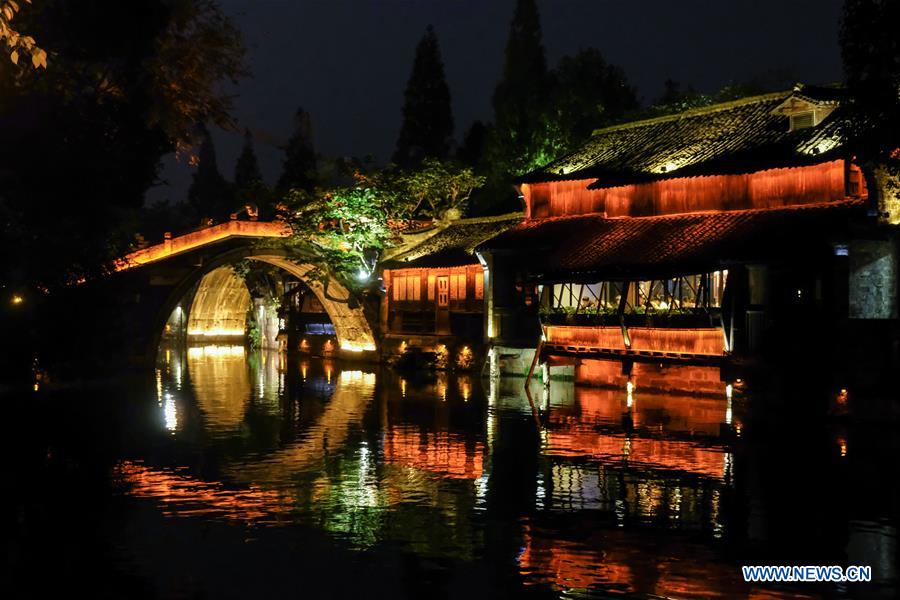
534,361
623,300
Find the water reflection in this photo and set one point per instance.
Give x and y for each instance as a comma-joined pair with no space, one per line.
617,491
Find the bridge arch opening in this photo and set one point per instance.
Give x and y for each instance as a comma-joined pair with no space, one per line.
218,306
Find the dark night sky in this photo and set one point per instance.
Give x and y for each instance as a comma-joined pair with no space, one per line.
347,61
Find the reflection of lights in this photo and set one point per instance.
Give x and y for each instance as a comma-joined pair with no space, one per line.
402,387
728,395
354,347
357,377
842,444
200,351
843,396
217,332
169,413
629,387
465,389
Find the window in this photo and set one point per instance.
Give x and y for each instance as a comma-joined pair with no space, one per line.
802,120
458,286
407,288
479,285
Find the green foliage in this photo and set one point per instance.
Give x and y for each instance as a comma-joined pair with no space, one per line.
343,230
589,93
541,114
254,333
438,187
427,116
523,136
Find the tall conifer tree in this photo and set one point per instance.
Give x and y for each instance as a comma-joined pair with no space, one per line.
248,181
522,138
427,128
299,169
209,193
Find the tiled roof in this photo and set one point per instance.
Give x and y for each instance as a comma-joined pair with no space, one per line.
736,136
592,247
454,244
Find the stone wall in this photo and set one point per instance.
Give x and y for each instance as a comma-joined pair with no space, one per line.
873,279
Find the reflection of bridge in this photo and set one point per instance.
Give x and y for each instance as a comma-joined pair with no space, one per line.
125,313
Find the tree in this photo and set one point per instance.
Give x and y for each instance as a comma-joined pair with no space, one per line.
249,186
522,137
16,43
427,126
210,195
589,94
437,188
471,152
299,169
124,87
870,49
342,231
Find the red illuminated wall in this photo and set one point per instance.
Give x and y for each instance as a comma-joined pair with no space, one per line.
707,341
764,189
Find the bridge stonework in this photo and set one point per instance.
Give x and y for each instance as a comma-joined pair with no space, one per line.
118,320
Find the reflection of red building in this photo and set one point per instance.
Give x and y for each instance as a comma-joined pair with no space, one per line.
440,452
615,561
573,431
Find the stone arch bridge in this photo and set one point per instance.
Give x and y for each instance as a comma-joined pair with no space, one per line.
121,317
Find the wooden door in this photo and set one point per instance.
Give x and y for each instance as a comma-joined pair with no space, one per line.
442,318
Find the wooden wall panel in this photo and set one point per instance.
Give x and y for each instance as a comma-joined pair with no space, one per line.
773,188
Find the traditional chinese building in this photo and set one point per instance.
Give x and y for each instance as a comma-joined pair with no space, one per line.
690,239
435,290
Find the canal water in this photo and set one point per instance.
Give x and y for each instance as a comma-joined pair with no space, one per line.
240,474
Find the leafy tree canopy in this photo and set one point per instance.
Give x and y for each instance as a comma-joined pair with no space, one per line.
18,44
344,230
125,84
